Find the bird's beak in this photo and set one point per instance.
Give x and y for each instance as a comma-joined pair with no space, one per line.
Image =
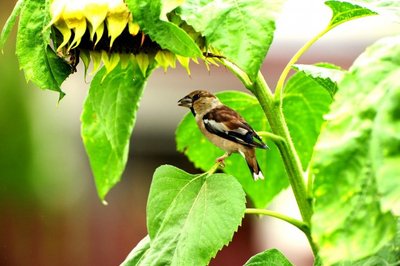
185,102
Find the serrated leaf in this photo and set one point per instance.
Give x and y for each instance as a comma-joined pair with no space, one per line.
305,101
108,117
355,146
168,35
267,258
344,11
137,253
10,23
191,217
36,58
203,153
242,31
326,75
387,8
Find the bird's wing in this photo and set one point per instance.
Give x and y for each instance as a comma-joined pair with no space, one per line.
228,124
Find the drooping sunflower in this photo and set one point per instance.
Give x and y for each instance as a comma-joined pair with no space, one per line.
105,31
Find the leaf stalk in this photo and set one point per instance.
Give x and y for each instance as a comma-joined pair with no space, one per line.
299,224
293,60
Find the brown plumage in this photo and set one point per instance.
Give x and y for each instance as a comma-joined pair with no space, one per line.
225,128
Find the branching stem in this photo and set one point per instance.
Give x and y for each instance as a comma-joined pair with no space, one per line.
275,138
293,60
299,224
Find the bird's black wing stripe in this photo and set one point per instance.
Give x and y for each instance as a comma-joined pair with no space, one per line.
229,135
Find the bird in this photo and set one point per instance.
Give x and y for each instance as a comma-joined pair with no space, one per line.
225,128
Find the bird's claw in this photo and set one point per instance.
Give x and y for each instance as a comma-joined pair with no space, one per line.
221,161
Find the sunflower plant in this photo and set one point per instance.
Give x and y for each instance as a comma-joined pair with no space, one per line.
333,133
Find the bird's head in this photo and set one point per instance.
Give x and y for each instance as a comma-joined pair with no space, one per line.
199,102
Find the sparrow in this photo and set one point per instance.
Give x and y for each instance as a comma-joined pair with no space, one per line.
225,128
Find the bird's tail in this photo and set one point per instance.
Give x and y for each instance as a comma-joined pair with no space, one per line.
254,167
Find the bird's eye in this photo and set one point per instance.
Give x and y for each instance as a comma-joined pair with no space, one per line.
195,97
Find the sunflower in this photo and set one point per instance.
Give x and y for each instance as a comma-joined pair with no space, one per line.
105,32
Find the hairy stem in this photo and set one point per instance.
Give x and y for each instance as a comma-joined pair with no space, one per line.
288,152
242,76
299,224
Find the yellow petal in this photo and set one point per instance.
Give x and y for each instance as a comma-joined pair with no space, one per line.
110,60
143,62
85,56
99,33
96,59
165,59
133,28
79,31
56,9
184,61
117,19
65,31
95,13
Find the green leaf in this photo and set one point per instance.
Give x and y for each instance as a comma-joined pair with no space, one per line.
305,101
137,253
108,117
326,75
388,255
39,62
191,217
387,8
267,258
168,35
242,31
356,159
344,11
203,153
10,23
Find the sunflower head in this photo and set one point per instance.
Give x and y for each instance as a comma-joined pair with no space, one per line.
105,32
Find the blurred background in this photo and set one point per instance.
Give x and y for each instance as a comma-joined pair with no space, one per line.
49,210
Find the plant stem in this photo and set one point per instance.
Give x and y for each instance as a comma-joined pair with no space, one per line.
289,155
299,224
242,76
285,72
275,138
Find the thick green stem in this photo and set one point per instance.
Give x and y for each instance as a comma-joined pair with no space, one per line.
299,224
289,155
280,134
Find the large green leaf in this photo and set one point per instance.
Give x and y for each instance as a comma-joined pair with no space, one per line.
344,11
108,117
267,258
10,23
388,255
191,217
137,253
305,101
356,159
166,34
39,62
203,153
240,30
